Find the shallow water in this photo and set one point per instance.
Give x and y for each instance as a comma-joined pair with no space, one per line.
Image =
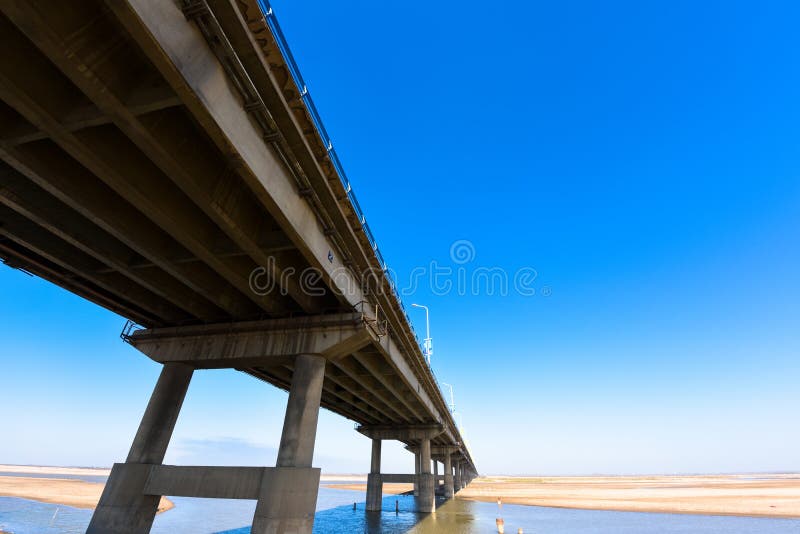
335,515
197,516
460,516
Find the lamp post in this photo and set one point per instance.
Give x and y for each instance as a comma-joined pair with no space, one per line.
428,340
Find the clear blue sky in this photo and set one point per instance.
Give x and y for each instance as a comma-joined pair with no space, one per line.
643,157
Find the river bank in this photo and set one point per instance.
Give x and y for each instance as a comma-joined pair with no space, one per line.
44,485
759,495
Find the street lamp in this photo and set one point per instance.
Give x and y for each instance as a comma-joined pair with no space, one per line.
428,340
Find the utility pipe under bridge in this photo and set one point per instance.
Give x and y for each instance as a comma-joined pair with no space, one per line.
165,161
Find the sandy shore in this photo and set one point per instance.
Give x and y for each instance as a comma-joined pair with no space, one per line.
69,492
388,489
47,470
744,495
343,478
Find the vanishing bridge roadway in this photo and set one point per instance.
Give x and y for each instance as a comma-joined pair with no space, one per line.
164,160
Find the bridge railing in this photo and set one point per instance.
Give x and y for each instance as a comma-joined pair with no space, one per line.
305,95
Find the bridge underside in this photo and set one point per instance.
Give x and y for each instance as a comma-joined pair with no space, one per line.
157,159
113,187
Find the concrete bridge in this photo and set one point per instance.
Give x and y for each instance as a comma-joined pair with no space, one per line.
163,159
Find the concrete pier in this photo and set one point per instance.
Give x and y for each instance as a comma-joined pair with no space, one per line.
424,480
286,494
288,502
417,464
448,477
124,507
426,501
374,482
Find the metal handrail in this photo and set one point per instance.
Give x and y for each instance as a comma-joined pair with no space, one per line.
305,96
128,330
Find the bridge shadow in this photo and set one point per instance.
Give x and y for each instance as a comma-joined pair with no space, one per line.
398,515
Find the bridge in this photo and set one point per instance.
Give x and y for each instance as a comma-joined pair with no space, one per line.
165,161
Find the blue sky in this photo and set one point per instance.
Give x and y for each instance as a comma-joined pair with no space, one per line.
641,157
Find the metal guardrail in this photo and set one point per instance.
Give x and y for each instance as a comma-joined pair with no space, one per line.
294,70
128,330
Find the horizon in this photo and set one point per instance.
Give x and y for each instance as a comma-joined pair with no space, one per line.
487,475
619,225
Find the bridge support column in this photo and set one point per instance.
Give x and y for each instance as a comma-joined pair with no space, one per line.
374,482
417,465
123,506
457,468
448,477
435,476
287,503
426,501
421,435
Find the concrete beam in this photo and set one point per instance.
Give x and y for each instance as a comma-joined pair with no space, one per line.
255,343
443,450
372,388
354,388
106,154
26,233
182,55
389,384
401,432
17,257
205,482
193,166
398,478
142,101
53,215
49,168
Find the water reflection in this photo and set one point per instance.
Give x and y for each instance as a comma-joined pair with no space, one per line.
389,520
466,517
459,516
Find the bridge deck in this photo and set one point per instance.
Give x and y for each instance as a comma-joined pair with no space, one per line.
153,155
